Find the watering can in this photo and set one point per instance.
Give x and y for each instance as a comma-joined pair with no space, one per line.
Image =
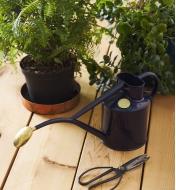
125,115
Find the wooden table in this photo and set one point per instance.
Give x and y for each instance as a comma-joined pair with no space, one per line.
56,155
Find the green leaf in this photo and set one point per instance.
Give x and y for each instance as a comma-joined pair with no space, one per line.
167,2
118,2
160,48
123,28
28,9
145,23
161,28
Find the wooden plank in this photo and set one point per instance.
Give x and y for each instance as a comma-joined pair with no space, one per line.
13,116
96,154
159,171
50,159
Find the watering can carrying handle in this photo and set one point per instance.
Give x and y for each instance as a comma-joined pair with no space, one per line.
155,79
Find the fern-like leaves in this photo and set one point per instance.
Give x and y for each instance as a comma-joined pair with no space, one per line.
28,9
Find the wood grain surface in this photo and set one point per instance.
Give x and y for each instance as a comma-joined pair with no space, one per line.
13,116
159,171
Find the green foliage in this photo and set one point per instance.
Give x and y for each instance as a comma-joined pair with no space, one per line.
48,30
52,30
145,29
102,73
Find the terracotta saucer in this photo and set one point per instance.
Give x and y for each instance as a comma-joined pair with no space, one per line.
46,109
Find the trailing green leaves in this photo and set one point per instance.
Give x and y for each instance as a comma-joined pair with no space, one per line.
146,29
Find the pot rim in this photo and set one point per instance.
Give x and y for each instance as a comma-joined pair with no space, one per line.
50,73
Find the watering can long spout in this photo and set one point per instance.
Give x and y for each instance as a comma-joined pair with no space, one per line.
25,133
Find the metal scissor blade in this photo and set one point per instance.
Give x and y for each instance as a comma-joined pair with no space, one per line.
135,162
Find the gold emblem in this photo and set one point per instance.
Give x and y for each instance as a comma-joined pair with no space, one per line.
124,103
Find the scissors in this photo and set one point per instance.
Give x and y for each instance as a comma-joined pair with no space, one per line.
118,172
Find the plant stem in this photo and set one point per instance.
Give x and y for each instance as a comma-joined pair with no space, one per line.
140,3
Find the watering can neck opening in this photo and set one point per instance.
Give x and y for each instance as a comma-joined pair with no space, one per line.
135,92
134,86
130,79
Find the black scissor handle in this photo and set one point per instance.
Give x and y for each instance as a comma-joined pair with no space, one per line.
82,182
92,182
154,77
106,181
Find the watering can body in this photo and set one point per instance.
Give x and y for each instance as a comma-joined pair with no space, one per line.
125,128
125,117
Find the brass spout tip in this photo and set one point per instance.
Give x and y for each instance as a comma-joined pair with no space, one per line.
23,136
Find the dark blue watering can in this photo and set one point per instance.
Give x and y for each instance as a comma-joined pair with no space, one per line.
125,114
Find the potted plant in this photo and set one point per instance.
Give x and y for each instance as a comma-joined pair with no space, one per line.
57,37
143,31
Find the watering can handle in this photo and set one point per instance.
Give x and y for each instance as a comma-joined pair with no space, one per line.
155,79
